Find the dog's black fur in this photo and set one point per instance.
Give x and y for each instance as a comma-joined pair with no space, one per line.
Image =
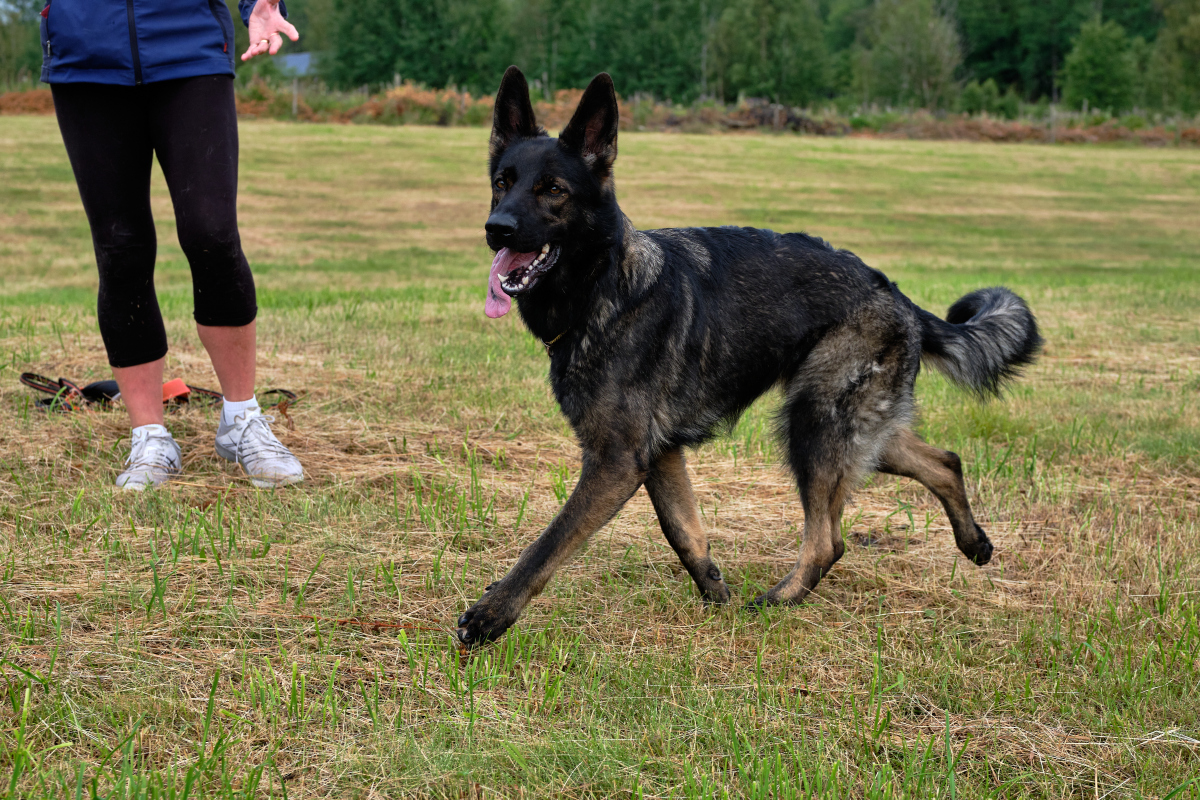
658,339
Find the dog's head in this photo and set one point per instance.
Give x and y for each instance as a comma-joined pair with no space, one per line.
545,192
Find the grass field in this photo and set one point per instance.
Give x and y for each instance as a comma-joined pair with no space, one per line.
211,639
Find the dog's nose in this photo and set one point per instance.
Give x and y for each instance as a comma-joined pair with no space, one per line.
501,225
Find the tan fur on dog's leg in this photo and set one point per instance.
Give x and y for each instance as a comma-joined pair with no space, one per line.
820,547
940,471
670,491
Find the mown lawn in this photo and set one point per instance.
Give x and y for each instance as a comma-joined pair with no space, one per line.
211,639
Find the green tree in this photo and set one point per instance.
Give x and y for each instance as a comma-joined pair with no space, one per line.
20,42
1046,29
979,98
1009,106
971,100
316,20
459,42
991,39
367,42
844,21
1173,71
1024,42
912,53
560,41
653,46
772,49
1141,18
1100,69
436,42
906,52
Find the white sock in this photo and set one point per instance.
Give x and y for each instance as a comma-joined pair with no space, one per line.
231,410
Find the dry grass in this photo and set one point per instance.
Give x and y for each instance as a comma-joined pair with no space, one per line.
244,640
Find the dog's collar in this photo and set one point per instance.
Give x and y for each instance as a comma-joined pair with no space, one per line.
550,343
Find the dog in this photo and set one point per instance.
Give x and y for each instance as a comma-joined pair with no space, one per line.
658,340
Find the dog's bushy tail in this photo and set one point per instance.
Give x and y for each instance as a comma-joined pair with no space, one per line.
985,340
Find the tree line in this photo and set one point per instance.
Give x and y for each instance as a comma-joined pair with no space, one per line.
972,55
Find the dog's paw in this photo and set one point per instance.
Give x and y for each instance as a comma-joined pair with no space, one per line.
485,621
785,593
718,595
712,586
980,552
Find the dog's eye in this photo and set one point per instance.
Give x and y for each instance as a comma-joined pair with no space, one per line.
501,183
556,190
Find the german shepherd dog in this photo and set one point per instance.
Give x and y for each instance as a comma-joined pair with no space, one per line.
660,339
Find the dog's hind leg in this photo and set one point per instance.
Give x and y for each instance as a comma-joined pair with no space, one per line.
605,484
821,545
941,473
826,460
671,493
846,402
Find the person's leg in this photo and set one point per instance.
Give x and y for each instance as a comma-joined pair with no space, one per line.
107,138
232,350
141,391
194,124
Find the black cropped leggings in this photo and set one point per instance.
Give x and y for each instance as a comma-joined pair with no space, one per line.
112,134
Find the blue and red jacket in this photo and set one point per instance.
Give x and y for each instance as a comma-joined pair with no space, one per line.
131,42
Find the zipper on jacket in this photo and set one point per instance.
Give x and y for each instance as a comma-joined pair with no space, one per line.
224,42
137,61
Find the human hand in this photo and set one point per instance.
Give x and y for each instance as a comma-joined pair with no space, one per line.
267,29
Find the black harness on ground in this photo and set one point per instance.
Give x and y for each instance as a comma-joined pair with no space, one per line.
66,395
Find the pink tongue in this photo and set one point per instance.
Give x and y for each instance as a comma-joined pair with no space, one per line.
498,303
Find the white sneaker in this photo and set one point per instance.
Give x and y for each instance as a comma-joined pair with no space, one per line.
250,442
153,460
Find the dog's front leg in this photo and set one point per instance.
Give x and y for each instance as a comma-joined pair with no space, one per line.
605,484
670,491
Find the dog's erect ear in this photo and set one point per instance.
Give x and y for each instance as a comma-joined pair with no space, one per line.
512,117
592,131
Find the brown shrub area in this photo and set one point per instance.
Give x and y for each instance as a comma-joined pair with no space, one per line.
985,129
35,101
413,104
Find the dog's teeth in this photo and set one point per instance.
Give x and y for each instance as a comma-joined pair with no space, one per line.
545,248
525,280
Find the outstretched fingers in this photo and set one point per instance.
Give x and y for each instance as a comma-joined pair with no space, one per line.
267,29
